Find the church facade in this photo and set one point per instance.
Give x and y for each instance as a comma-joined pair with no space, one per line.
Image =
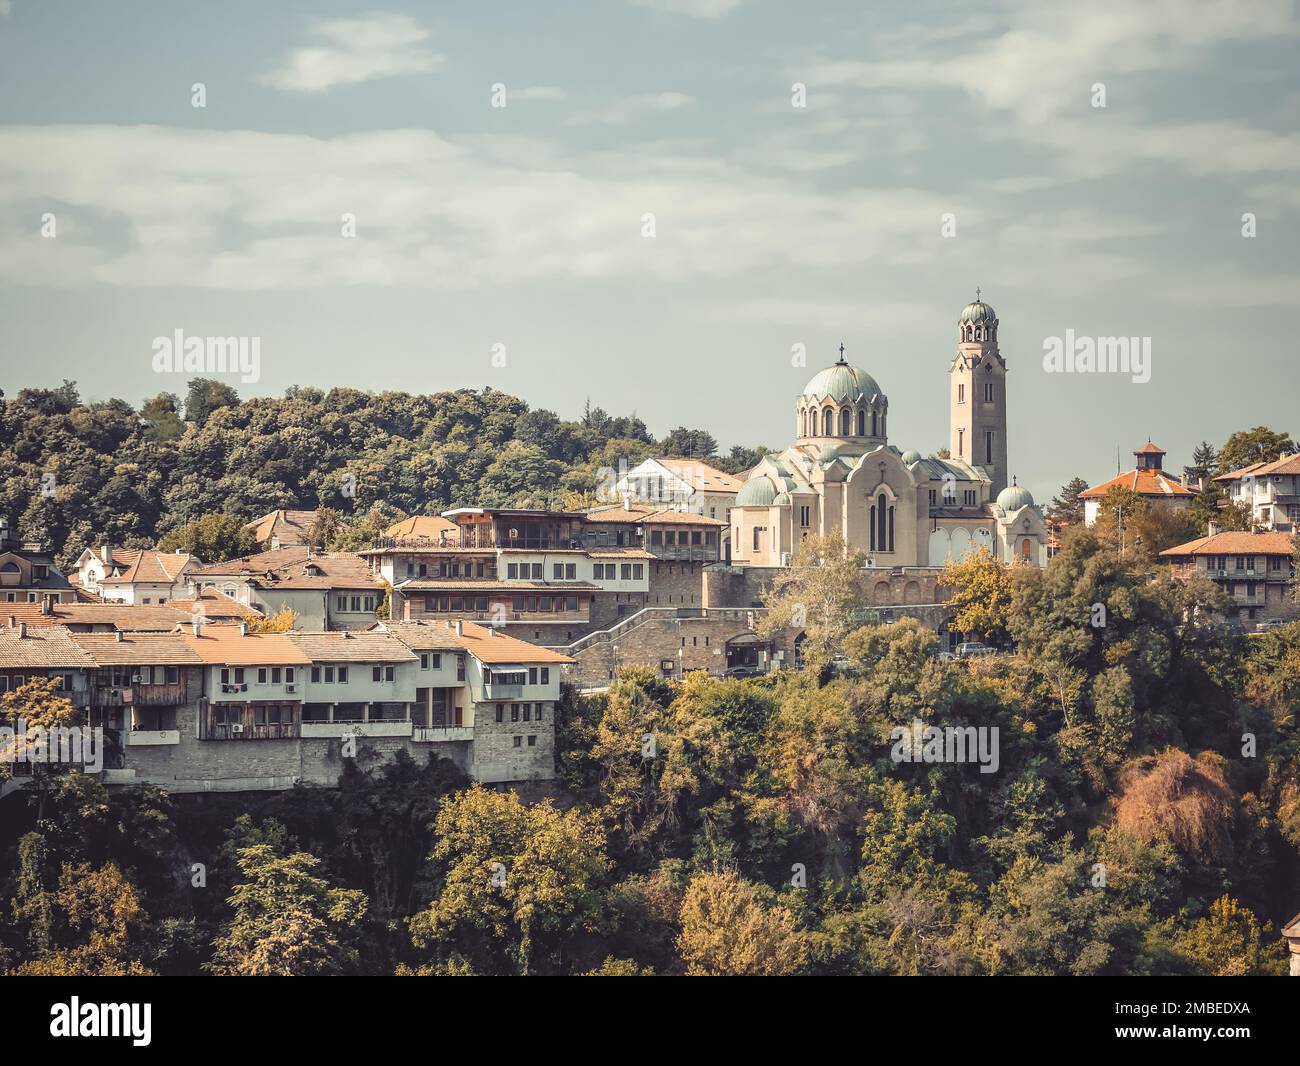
902,509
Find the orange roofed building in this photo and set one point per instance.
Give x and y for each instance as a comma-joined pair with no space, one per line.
1148,480
1254,570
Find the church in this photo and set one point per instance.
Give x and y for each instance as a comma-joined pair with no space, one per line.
902,509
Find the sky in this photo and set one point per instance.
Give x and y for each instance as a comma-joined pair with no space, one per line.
682,209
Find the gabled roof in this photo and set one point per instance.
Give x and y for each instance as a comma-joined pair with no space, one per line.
123,616
1238,542
53,581
216,605
421,636
143,649
364,646
227,646
49,647
486,644
1155,484
153,567
289,527
429,526
293,567
1287,464
699,475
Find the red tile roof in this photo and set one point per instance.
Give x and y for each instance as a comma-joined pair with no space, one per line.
1153,483
1237,542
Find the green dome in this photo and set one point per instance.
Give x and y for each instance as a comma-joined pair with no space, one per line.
978,311
1013,497
756,492
782,500
843,383
911,457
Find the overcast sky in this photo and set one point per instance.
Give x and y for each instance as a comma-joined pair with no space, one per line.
774,225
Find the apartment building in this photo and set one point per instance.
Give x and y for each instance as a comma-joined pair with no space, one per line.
1270,490
1254,570
325,590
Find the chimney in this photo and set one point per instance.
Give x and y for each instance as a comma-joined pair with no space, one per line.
13,621
22,630
106,553
243,629
1212,528
197,626
347,634
47,604
117,635
627,502
460,628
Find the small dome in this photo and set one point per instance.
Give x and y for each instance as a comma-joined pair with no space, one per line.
1013,497
911,457
782,500
843,383
978,311
756,492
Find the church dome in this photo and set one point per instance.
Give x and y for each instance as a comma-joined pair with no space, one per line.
978,311
756,492
782,500
911,457
843,383
1014,497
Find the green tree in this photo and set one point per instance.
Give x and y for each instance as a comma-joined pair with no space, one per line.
691,443
821,593
287,921
206,395
980,595
729,931
214,538
1066,509
1258,445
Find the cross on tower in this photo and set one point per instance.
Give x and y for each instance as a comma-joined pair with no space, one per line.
841,351
977,292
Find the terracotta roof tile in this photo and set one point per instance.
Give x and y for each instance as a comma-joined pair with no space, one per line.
1238,542
159,649
1152,483
226,646
365,646
49,647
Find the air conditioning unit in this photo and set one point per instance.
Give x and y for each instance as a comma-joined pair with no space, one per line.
137,679
290,688
237,727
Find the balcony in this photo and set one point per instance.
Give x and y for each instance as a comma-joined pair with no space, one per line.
240,731
318,730
502,692
441,734
139,696
147,738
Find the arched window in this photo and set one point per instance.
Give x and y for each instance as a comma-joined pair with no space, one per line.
862,422
828,423
883,511
873,527
844,422
1026,548
875,422
803,422
891,529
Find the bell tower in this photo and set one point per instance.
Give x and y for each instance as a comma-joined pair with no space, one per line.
978,397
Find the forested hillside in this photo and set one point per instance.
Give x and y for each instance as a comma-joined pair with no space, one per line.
1144,817
73,473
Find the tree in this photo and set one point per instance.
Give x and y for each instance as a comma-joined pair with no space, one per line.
1228,942
691,443
287,922
511,879
214,538
1205,461
39,718
981,593
820,593
282,621
205,396
162,413
1067,509
728,931
1258,445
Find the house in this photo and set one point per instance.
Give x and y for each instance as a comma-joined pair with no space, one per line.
1270,490
523,569
133,575
509,688
28,652
1254,570
681,484
281,528
431,527
325,590
1291,931
678,545
1148,479
209,605
28,573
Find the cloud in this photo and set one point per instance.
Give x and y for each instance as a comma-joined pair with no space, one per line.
163,206
538,94
628,108
700,9
349,51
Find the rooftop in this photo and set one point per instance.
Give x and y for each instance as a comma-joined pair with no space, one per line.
1236,543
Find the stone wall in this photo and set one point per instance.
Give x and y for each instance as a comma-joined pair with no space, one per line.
676,584
495,757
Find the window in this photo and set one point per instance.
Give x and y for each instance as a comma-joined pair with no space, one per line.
532,675
656,537
627,572
961,443
862,423
424,660
961,393
225,676
532,741
239,675
546,675
275,675
501,712
173,675
528,712
988,392
435,662
934,497
261,675
538,715
514,712
512,571
519,742
988,446
460,667
638,571
805,516
374,673
570,571
329,675
969,497
341,603
315,675
537,571
756,538
390,673
557,572
343,675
